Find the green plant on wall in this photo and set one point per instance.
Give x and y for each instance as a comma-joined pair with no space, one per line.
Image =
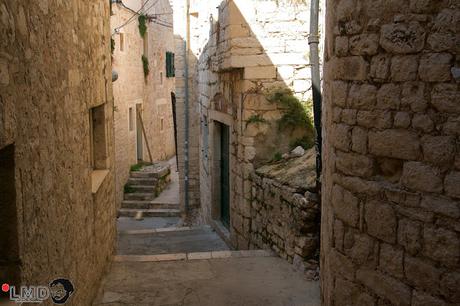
129,189
304,142
256,119
277,157
142,24
145,63
295,113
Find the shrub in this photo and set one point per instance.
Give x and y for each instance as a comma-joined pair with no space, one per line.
296,114
256,119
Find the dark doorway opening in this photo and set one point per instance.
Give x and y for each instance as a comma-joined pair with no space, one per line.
225,175
9,244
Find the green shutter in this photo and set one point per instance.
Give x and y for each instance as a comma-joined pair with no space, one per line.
170,69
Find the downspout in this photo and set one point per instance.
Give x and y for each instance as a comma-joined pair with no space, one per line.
186,112
313,41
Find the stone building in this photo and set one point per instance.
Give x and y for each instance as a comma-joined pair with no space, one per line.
391,186
56,144
138,93
242,53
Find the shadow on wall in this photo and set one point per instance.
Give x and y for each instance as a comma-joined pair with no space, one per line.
261,81
252,76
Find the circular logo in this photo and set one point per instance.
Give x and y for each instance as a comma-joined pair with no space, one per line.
5,287
61,289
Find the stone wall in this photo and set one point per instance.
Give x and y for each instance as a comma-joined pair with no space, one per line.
54,67
128,91
249,47
285,220
158,113
152,94
390,219
181,26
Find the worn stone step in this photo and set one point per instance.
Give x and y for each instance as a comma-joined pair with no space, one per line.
142,188
142,181
148,205
129,212
142,174
140,196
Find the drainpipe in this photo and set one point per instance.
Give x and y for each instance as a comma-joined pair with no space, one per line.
313,41
186,112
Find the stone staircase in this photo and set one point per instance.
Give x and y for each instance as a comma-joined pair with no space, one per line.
142,190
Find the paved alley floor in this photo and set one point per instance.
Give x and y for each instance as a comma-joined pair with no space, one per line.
251,281
159,262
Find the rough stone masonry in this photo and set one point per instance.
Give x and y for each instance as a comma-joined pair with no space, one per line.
54,71
391,186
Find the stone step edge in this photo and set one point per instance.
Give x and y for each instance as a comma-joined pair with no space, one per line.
194,256
148,202
148,210
163,230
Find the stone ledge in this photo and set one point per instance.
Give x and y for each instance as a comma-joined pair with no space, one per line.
97,178
194,256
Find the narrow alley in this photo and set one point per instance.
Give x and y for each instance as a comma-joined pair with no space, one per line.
159,261
230,152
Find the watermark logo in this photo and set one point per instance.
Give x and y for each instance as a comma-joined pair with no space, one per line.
59,290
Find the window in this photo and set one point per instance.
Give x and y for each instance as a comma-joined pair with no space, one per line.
98,145
170,68
122,41
161,78
162,121
131,119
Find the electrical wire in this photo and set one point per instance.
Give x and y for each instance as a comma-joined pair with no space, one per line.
131,19
159,22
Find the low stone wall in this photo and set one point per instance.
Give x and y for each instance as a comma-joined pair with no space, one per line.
287,221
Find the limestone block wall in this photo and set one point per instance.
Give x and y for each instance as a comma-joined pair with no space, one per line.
55,66
286,221
250,46
391,209
181,26
158,112
128,91
152,93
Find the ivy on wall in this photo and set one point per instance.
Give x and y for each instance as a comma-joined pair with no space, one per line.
295,113
142,25
145,63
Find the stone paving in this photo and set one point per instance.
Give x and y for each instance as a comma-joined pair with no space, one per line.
160,262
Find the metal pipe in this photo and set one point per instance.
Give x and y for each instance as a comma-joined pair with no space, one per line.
186,111
313,41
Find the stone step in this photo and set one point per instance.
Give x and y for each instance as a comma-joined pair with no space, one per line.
129,212
142,188
159,172
142,196
142,181
148,205
142,174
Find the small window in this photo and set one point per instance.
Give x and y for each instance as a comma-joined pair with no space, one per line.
98,144
162,124
122,42
131,119
161,78
170,66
